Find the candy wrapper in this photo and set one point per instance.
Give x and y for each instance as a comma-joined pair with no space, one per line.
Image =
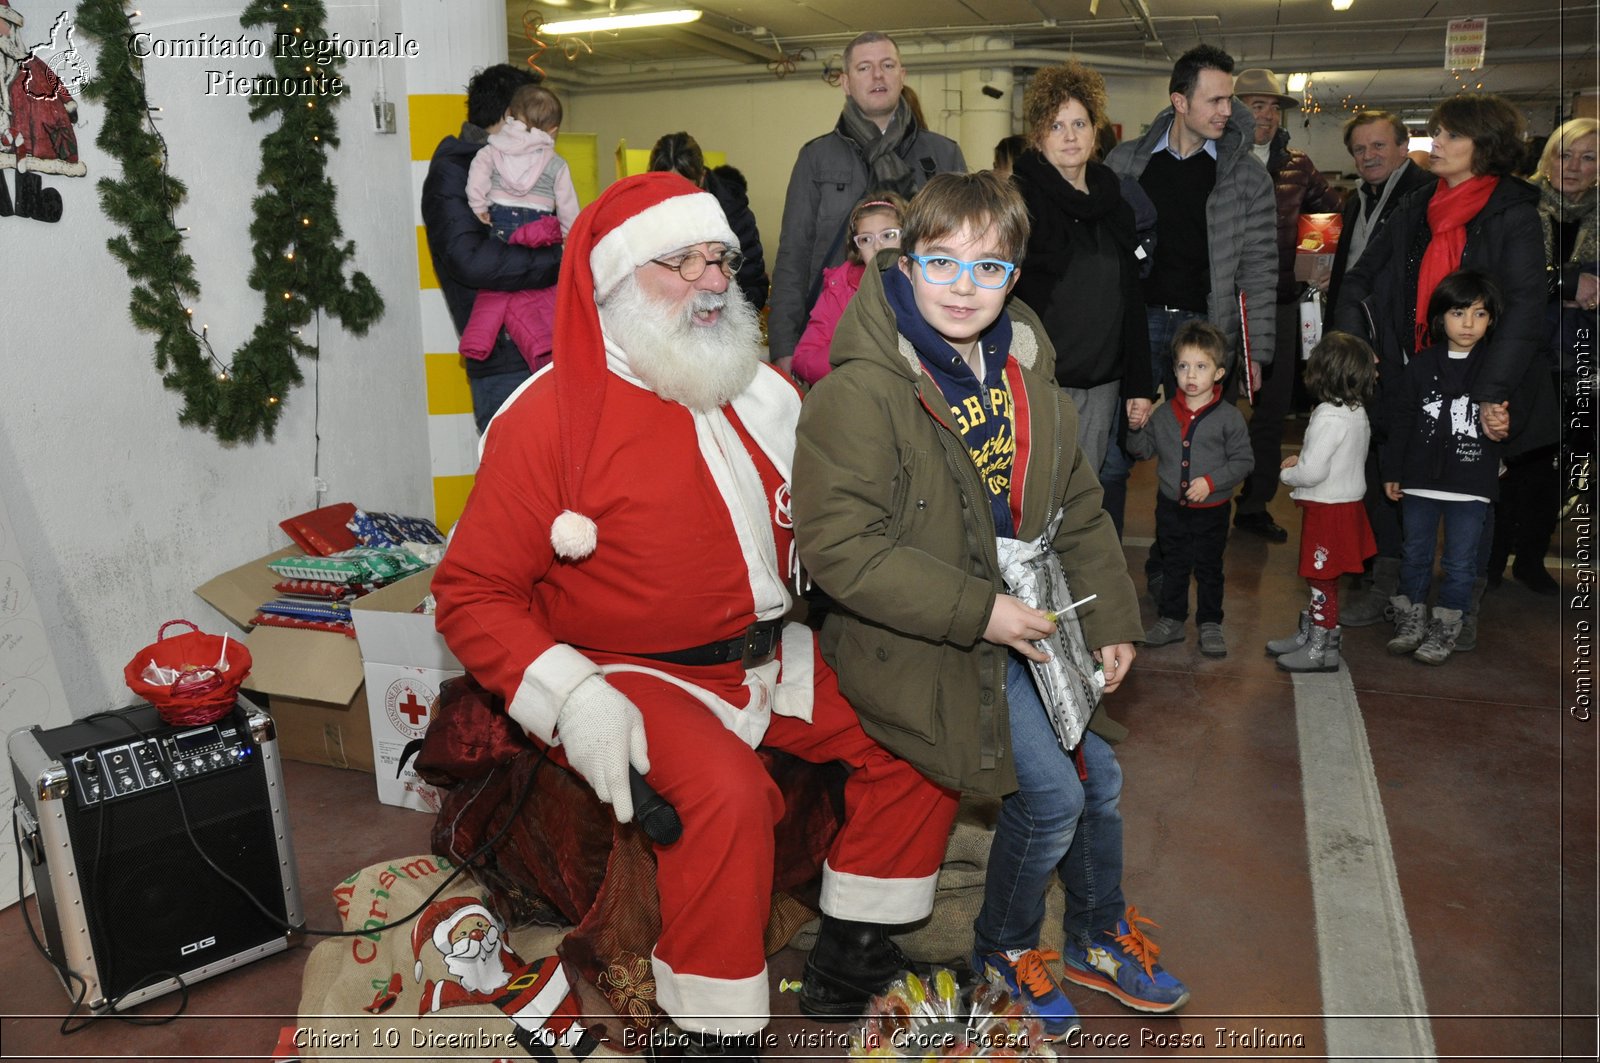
931,1020
1070,682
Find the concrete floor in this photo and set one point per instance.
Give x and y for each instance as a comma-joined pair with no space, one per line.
1413,848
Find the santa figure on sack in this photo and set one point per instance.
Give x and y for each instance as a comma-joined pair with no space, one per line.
36,110
536,996
619,577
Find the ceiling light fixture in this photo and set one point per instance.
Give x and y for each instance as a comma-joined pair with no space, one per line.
1297,82
1342,5
621,22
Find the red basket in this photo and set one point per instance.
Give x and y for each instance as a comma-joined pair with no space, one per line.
202,693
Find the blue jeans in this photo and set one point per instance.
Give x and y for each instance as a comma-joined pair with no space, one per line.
489,392
1463,531
1163,323
1054,824
505,220
1116,467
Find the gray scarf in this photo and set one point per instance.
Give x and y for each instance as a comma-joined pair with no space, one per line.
1557,208
881,149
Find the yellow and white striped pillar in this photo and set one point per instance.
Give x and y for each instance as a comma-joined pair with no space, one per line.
458,39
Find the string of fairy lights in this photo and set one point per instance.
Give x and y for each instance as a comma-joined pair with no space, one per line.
1349,103
298,263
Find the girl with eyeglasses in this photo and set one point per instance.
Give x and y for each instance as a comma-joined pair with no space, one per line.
874,226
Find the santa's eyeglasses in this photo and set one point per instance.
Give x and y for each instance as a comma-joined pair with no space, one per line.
692,266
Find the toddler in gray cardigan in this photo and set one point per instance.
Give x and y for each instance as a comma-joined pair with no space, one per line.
1202,451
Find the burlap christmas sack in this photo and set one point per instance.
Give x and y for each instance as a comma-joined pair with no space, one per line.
451,984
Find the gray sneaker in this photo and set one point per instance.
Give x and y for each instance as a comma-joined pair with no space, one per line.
1440,641
1410,624
1212,644
1164,632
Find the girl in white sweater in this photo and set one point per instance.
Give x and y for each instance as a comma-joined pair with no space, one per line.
1329,481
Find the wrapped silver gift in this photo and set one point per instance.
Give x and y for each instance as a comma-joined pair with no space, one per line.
1070,682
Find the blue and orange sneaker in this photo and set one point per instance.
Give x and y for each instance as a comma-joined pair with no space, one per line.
1122,962
1025,975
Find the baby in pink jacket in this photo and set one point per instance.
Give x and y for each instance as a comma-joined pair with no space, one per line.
874,224
521,188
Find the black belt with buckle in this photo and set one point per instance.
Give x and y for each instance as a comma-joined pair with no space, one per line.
754,648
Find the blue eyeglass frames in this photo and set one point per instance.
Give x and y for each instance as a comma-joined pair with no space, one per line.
985,272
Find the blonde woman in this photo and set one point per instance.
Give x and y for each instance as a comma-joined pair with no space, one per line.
1531,494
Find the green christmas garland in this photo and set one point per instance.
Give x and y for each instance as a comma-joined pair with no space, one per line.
299,254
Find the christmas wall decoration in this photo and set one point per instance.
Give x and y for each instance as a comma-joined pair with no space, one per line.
299,254
37,115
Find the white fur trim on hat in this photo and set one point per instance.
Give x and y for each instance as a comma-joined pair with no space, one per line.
573,535
436,923
447,926
674,223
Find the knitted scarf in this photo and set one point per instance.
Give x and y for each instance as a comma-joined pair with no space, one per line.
881,148
1556,209
1103,197
1448,213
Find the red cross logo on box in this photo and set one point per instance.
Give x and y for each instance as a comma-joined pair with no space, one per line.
408,705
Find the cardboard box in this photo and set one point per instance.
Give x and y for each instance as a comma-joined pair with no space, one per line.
311,680
405,661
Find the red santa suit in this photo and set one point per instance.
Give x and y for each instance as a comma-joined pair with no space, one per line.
691,546
41,122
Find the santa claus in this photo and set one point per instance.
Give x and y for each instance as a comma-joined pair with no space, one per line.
467,936
620,576
36,110
536,996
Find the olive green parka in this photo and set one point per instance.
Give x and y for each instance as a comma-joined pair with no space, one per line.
893,524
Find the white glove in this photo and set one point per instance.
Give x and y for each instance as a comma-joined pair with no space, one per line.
603,734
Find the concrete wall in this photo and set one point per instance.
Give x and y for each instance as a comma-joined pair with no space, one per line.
120,511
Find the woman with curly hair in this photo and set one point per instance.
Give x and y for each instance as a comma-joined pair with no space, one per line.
1079,272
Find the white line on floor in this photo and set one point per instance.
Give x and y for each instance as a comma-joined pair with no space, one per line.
1371,990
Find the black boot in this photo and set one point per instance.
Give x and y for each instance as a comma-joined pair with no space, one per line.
668,1044
849,965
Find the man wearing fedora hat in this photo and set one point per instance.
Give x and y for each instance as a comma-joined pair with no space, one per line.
1299,189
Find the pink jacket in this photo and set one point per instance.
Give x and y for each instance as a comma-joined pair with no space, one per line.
839,284
530,315
507,169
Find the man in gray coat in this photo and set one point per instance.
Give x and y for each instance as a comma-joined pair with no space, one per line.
877,145
1216,228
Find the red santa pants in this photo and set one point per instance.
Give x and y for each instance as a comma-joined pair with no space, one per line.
715,883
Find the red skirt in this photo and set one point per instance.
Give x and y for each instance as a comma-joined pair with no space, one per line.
1335,538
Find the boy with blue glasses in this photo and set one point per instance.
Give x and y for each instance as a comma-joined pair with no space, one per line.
939,431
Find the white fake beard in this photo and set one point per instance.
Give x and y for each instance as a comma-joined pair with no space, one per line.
698,366
477,963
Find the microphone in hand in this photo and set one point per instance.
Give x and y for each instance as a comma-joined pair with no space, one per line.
658,819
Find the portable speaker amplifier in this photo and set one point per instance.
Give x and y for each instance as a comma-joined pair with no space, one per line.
125,899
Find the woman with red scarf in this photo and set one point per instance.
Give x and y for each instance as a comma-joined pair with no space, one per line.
1477,215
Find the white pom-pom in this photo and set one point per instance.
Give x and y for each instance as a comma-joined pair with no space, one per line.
573,535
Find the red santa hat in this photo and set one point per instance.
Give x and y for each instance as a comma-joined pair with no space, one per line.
6,13
635,220
436,924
